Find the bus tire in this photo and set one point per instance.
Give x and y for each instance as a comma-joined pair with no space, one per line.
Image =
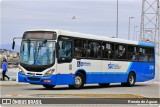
131,79
49,86
104,84
79,81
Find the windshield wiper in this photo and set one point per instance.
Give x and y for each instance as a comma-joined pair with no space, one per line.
41,45
44,42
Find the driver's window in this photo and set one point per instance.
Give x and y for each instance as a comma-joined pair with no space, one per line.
31,51
65,49
24,52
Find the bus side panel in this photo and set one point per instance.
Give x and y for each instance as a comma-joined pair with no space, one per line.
103,71
144,71
64,73
106,78
63,79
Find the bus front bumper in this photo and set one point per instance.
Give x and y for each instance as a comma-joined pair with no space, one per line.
41,80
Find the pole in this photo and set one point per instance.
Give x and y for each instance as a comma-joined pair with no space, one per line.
134,35
129,27
117,22
158,29
137,36
142,22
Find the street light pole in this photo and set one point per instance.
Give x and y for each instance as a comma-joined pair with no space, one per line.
117,22
134,35
137,35
129,27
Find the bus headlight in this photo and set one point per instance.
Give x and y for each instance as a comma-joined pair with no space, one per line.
49,73
21,71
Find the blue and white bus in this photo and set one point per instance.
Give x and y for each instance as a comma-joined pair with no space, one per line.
57,57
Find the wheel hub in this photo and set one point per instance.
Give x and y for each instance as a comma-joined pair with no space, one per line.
131,79
78,81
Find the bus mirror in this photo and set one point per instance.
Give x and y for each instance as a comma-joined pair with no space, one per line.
13,44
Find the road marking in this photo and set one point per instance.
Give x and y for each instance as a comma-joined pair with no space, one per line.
89,95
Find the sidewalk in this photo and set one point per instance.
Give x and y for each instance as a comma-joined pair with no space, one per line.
11,83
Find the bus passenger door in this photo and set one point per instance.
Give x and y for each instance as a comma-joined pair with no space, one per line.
64,59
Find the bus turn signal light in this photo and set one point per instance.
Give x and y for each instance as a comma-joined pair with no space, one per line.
47,81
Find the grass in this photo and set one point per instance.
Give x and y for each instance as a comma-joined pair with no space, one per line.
13,85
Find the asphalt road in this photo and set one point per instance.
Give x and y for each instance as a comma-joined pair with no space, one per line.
14,89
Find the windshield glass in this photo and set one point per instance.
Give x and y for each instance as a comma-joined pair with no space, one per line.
37,52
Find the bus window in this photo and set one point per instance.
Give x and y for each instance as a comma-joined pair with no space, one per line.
120,52
151,54
79,48
65,50
151,58
132,53
94,49
107,50
24,52
142,54
45,53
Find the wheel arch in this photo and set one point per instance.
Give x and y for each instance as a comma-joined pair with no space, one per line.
83,72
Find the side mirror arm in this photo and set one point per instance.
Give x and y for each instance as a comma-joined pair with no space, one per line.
13,44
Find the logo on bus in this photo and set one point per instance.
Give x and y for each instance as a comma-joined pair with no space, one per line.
80,64
113,66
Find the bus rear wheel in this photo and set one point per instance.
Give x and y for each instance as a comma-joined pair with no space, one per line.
49,86
130,81
78,81
104,84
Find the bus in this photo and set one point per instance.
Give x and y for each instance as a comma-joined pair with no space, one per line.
56,57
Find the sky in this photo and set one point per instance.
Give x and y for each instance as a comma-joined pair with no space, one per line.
96,17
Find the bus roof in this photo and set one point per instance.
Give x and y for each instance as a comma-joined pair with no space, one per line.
96,37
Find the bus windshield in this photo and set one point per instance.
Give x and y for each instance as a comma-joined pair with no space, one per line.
37,52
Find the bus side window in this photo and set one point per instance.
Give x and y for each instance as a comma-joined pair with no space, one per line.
76,48
79,48
120,52
83,48
90,49
151,54
104,50
98,50
132,53
94,49
65,49
143,54
107,50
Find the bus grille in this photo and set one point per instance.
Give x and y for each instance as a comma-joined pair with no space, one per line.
33,79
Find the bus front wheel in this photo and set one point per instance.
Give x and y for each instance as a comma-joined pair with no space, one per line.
78,81
49,86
